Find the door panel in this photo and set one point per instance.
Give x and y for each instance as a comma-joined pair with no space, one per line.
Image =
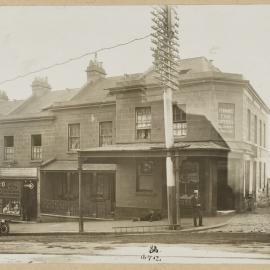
102,195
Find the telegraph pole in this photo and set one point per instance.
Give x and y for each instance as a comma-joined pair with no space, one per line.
165,52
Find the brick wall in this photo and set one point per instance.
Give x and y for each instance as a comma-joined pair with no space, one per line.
89,120
125,116
22,132
126,194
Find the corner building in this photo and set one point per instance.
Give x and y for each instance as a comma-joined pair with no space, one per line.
112,127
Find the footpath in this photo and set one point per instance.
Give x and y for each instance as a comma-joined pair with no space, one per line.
115,226
249,222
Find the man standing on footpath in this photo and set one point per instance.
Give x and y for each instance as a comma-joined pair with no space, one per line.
196,208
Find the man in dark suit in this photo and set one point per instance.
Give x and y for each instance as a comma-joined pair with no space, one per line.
196,208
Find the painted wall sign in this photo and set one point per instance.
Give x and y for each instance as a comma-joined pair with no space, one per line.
226,115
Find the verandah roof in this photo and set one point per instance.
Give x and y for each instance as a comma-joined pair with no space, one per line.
72,165
110,152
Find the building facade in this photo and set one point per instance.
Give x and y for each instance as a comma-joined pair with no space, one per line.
112,129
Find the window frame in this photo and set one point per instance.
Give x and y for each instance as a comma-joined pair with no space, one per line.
12,152
255,129
260,132
140,173
181,120
148,123
249,124
36,155
102,136
74,137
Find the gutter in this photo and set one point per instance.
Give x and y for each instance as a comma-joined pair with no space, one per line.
81,106
27,119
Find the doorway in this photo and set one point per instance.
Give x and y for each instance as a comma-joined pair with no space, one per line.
225,195
102,195
29,200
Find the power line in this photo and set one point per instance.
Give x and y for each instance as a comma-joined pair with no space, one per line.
73,59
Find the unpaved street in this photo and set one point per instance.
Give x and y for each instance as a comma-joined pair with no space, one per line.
122,250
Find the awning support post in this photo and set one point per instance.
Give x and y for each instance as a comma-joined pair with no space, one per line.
80,196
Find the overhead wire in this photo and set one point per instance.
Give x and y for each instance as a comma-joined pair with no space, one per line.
74,59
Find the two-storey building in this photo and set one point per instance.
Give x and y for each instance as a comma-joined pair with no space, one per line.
115,126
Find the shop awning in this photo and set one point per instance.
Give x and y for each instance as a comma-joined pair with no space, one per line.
72,165
151,150
18,173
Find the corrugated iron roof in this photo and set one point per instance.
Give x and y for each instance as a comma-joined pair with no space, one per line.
209,145
72,165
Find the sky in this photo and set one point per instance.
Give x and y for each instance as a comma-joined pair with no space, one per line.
236,38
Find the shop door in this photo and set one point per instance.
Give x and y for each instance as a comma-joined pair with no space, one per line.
103,195
29,200
225,196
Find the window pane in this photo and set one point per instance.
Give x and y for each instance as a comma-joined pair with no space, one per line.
179,129
145,181
9,141
255,128
143,122
74,130
74,143
36,140
74,136
105,133
143,134
179,113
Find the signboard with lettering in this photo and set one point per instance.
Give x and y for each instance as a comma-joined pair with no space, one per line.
226,114
10,189
10,194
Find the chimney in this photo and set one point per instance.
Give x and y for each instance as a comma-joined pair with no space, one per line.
40,86
95,70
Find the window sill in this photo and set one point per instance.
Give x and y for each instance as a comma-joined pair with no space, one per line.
36,161
179,137
146,193
72,152
9,161
143,140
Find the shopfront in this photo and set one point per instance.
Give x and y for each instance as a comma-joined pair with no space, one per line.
60,190
18,193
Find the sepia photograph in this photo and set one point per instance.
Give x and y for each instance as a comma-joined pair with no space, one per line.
134,134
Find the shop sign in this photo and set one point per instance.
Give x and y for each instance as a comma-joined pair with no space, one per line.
226,114
29,185
10,189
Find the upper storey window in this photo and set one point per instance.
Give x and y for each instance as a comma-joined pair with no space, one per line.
36,147
143,123
8,148
73,137
105,133
179,120
226,119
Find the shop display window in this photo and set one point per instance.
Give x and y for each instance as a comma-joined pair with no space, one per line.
10,207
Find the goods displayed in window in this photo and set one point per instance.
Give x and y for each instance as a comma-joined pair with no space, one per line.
10,207
189,181
10,194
